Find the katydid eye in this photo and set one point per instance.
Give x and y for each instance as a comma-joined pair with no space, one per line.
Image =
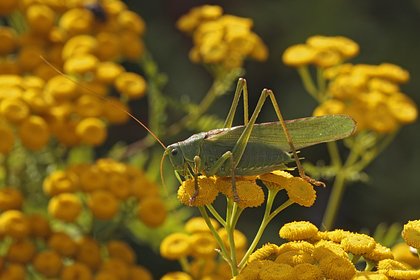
174,152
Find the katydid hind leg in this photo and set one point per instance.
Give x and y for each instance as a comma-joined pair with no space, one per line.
241,89
197,164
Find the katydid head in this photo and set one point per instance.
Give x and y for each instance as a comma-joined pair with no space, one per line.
176,158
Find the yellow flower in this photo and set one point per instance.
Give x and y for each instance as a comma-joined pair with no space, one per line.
337,235
80,44
198,224
252,270
34,133
40,226
88,252
337,267
92,131
130,84
115,267
77,271
207,192
8,38
403,274
249,193
40,18
114,111
107,71
21,251
402,253
65,206
29,58
266,252
152,211
48,263
324,249
392,72
14,110
379,253
307,271
330,107
411,233
402,108
188,22
120,250
277,271
299,55
13,271
61,88
369,275
388,264
92,179
7,138
63,244
202,267
81,64
295,257
301,192
298,230
89,106
178,275
203,245
358,244
13,223
103,204
175,246
296,246
139,272
108,46
239,238
327,58
77,21
60,182
10,198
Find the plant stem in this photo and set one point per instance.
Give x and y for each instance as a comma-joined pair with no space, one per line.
308,83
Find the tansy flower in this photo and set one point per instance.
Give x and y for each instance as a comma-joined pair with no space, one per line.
13,270
266,252
188,22
114,111
358,244
115,267
307,271
337,235
40,18
369,275
14,110
201,267
198,224
296,246
107,71
65,206
324,249
277,271
139,272
402,253
301,192
207,192
298,230
88,252
130,84
92,179
34,133
403,274
77,21
76,270
380,252
411,233
60,182
392,72
21,251
92,131
120,250
10,198
40,226
276,180
131,47
178,275
61,88
252,270
63,244
175,246
239,238
388,264
7,138
249,193
13,223
80,44
152,211
103,204
8,38
299,55
89,106
203,245
81,64
337,267
48,263
295,257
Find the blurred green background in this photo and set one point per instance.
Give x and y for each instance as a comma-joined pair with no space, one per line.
386,30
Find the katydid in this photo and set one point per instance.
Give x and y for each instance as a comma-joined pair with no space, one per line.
254,149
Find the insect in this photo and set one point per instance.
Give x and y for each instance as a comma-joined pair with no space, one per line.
249,149
254,149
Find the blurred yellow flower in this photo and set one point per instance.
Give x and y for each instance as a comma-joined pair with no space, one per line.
10,198
76,270
65,206
130,84
411,233
121,250
21,251
63,244
103,204
60,182
34,133
152,211
175,246
92,131
14,223
48,263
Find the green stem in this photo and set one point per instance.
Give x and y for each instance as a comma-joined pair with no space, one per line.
279,209
370,265
185,266
216,214
334,155
308,83
321,84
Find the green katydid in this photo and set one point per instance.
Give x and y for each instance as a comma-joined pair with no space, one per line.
250,149
254,149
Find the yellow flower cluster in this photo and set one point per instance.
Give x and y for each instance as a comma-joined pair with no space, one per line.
249,192
220,39
105,186
321,51
85,41
312,254
196,249
370,94
59,255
